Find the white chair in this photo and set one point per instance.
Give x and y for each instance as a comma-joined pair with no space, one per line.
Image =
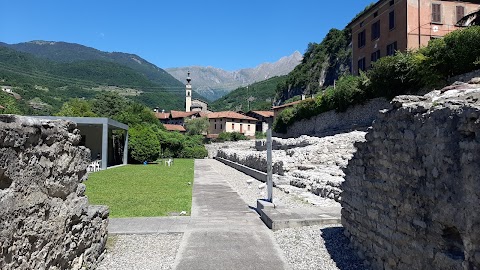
168,162
90,167
98,165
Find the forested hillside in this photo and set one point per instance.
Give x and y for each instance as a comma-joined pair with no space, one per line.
45,85
322,64
70,52
260,94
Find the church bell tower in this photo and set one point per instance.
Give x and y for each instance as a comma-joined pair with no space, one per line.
188,94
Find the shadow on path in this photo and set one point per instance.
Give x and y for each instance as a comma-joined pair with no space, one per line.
342,254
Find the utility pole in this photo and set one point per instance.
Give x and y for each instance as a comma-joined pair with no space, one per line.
269,165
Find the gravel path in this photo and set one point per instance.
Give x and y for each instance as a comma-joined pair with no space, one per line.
141,252
317,247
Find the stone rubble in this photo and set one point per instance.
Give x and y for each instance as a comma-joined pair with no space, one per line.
310,163
45,219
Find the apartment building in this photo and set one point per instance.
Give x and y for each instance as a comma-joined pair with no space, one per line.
391,25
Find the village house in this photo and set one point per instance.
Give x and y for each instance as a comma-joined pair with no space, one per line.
7,89
177,117
400,25
265,119
178,128
229,121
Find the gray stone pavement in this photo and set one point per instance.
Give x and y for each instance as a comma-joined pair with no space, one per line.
222,232
226,233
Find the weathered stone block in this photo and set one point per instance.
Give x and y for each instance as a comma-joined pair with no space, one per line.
422,183
45,219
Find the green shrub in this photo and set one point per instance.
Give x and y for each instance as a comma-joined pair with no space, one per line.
231,136
394,75
260,135
143,143
197,151
347,92
456,53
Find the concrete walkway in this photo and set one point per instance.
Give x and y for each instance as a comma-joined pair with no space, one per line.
222,232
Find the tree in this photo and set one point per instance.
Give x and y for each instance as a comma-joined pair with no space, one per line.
197,126
76,107
10,104
143,143
135,113
109,104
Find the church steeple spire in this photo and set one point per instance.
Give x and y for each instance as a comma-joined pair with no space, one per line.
188,93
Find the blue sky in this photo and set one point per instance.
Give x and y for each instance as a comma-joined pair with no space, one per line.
226,34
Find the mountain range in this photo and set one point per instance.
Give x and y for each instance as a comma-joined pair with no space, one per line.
71,52
214,83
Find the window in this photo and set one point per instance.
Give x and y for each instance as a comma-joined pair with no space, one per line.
375,14
391,20
233,126
248,128
361,23
392,48
361,64
436,13
392,2
375,56
361,39
460,13
221,126
376,30
215,126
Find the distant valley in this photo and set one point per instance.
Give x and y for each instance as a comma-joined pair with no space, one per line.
214,83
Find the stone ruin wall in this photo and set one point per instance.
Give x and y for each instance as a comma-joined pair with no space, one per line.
45,219
411,196
358,117
309,163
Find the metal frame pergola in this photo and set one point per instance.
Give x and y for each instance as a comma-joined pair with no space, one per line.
105,124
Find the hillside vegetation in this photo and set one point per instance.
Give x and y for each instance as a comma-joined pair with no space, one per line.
260,94
322,64
403,73
64,52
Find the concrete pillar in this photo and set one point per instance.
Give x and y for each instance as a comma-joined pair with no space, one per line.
125,149
104,146
269,166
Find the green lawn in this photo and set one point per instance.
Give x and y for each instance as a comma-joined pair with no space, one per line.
143,190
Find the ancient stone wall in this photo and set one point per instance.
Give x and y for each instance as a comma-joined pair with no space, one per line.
358,117
411,195
310,163
45,219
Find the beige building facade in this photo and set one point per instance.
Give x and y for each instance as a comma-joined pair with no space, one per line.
400,25
230,122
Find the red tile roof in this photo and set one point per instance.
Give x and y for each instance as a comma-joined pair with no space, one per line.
162,115
264,113
179,114
170,127
229,114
